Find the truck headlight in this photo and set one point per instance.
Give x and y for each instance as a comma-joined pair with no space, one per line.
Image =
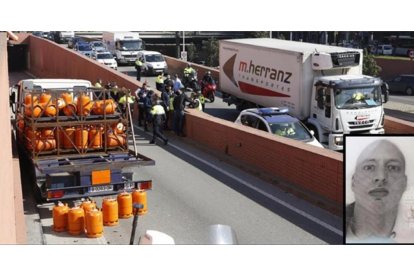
338,140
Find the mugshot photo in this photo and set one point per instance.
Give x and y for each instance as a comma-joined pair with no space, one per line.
379,192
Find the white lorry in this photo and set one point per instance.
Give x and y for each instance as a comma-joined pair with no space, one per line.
321,85
123,45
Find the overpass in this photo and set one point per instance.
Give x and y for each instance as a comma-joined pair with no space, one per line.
314,174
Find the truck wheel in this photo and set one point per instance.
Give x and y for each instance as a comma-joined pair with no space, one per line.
409,91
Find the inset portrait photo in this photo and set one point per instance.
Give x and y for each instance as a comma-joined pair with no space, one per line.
379,192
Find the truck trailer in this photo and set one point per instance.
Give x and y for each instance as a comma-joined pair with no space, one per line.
322,85
74,139
124,46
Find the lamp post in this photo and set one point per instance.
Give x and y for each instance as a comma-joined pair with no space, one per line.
184,53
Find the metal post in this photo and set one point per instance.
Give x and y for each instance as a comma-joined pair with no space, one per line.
132,125
135,222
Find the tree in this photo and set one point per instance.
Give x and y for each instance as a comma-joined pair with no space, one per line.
369,66
258,34
191,52
211,47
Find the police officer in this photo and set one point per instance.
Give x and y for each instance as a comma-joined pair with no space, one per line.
202,101
159,82
138,66
158,119
187,72
98,83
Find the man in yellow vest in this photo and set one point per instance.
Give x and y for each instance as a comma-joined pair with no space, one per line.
158,120
159,82
138,66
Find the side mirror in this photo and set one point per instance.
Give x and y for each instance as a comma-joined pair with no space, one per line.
385,92
312,132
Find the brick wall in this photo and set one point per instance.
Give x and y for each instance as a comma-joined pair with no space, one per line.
396,126
394,67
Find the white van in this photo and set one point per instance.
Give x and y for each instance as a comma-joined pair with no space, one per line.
154,62
384,49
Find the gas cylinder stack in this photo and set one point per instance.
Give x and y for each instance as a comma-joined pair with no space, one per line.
62,122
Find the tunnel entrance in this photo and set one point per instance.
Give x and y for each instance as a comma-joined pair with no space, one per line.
17,57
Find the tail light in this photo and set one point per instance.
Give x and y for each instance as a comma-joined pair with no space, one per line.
146,185
55,194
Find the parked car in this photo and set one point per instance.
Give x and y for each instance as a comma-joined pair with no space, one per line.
402,83
98,46
154,62
384,49
38,34
105,58
277,121
84,48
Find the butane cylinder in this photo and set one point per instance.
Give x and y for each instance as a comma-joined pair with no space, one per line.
94,224
60,217
87,206
76,221
140,196
124,205
110,212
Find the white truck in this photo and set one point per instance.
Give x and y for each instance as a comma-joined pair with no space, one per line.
321,85
123,45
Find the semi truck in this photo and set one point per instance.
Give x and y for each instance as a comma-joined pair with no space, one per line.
321,85
124,46
75,139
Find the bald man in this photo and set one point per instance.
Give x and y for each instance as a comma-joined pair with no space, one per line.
378,184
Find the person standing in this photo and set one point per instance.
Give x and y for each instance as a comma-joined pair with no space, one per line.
158,120
138,67
179,106
177,84
159,82
165,102
378,184
147,109
142,93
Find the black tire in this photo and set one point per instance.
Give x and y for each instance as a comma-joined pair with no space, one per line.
409,91
211,97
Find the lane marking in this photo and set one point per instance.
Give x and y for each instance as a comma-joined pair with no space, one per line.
277,200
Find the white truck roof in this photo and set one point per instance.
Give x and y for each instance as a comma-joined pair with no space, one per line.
53,83
291,46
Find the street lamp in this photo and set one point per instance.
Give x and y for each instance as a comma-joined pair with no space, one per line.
184,53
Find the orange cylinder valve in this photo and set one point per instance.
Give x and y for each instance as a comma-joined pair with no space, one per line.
94,224
110,212
88,205
76,221
124,205
60,217
140,196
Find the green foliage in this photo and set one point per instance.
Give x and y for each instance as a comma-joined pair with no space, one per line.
258,34
211,48
191,51
369,66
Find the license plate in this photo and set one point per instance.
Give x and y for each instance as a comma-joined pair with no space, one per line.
105,188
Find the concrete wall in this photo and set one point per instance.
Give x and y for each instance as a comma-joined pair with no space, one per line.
12,229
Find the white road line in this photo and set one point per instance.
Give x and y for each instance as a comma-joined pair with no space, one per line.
279,201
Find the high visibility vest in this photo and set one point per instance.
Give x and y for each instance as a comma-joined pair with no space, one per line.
202,99
171,103
98,85
122,100
159,79
138,62
157,110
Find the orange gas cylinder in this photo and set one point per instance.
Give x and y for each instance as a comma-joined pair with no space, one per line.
29,98
61,104
104,107
76,221
45,98
58,133
140,196
124,205
95,137
69,138
33,112
69,109
67,98
88,205
94,224
48,133
81,138
20,125
115,140
118,128
50,110
84,105
45,145
110,211
60,217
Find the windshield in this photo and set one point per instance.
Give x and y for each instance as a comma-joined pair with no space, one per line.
104,56
85,47
97,44
154,58
130,45
293,130
356,98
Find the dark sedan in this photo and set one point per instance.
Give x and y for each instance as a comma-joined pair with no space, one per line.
402,83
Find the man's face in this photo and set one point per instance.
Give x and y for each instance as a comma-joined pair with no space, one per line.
379,180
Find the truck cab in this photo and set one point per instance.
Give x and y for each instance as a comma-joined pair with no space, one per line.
123,45
344,104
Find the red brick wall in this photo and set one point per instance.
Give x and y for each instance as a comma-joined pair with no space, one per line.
394,67
396,126
311,169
